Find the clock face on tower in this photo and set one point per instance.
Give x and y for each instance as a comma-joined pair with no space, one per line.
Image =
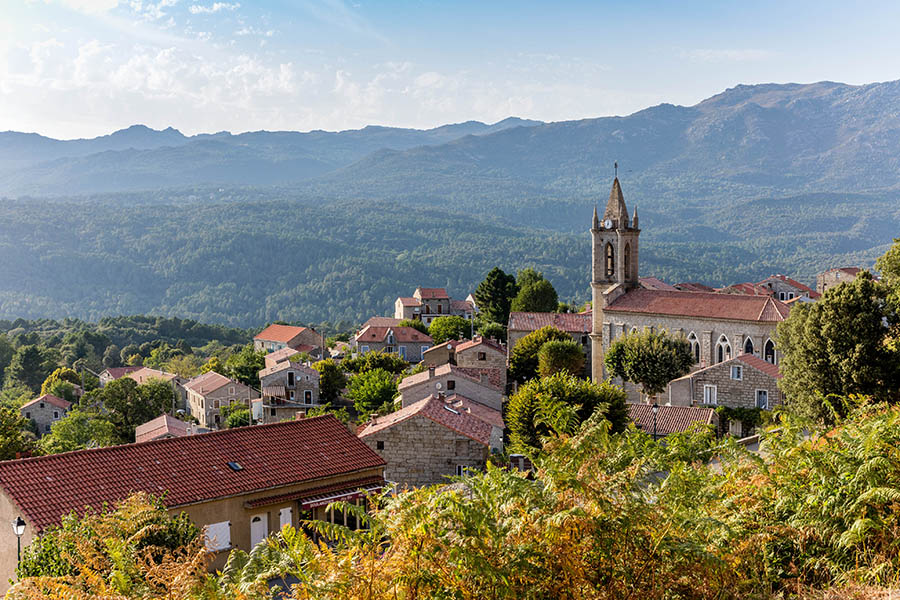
607,223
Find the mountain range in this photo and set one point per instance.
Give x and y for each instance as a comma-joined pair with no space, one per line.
758,179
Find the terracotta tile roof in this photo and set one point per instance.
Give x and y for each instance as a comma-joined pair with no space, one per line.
652,283
187,469
117,372
693,287
278,356
279,333
433,293
439,411
381,322
208,383
287,364
461,306
480,342
704,305
532,321
494,376
49,399
476,409
401,335
145,374
750,289
163,425
409,301
669,419
794,284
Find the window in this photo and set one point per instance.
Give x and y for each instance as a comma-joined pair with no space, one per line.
284,516
273,411
46,427
218,419
27,415
440,309
781,295
55,414
307,397
762,399
610,260
390,338
364,349
709,394
292,394
464,470
737,372
723,349
259,529
218,536
748,346
482,356
584,340
401,350
451,384
379,445
769,352
627,259
790,295
695,346
423,349
42,405
231,391
290,378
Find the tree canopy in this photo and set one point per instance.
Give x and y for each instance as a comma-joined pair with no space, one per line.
371,360
372,391
558,356
650,359
451,327
494,295
416,324
79,429
331,379
535,293
128,404
14,437
523,358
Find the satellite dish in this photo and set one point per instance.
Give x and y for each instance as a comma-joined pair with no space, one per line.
437,385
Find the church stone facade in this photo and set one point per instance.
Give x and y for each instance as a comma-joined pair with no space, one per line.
718,326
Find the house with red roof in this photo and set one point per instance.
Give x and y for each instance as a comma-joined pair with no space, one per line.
832,277
302,339
434,438
164,426
209,393
238,484
113,373
407,342
670,419
485,386
427,304
477,353
45,411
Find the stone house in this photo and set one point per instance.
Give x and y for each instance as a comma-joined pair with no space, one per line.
113,373
210,392
832,277
240,484
163,427
427,304
45,411
784,288
146,374
407,342
478,353
432,439
442,354
302,339
287,388
483,386
670,419
577,325
745,381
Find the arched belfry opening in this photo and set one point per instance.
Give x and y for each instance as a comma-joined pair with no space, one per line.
626,256
610,260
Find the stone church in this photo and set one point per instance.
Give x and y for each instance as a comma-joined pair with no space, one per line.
718,326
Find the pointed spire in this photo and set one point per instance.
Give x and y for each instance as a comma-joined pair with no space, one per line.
615,207
634,219
595,224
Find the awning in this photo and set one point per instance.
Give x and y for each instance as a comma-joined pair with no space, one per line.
322,495
344,496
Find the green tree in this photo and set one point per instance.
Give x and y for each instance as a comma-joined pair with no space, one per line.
888,265
183,365
112,356
839,346
14,437
160,355
523,358
416,324
79,429
28,367
238,418
494,296
331,379
372,391
214,364
245,365
443,329
129,405
560,403
560,356
62,374
127,352
371,360
493,331
63,389
649,358
7,351
535,294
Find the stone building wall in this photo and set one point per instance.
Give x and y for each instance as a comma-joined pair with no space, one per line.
462,385
420,452
493,359
734,393
305,379
44,415
829,279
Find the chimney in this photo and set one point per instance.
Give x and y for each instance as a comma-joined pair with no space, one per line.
430,372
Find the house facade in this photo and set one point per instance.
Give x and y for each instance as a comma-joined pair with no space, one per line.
287,388
210,392
427,304
407,342
480,385
433,439
113,373
477,353
278,337
240,484
45,411
745,381
832,277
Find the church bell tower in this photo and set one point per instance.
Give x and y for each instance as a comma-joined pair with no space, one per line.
614,265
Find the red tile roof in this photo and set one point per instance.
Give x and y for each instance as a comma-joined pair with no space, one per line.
750,289
409,301
117,372
186,469
437,410
652,283
381,322
461,306
145,374
532,321
703,305
693,287
480,342
401,335
208,383
278,356
669,419
279,333
433,293
476,409
49,399
163,425
794,284
494,376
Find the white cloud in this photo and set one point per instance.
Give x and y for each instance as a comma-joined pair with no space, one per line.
90,6
726,55
250,30
198,9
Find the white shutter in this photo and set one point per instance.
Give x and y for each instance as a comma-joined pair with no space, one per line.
218,536
284,517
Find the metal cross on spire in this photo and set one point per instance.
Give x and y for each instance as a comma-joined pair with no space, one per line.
616,168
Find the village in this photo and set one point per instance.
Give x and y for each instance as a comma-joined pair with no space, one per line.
308,444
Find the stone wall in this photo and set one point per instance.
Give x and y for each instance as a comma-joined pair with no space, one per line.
829,279
730,392
462,385
44,415
420,452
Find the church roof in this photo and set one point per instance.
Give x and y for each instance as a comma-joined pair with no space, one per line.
701,305
615,207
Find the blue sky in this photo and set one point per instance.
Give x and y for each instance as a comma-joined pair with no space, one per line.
73,68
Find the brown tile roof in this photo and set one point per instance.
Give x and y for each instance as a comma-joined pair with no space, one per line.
278,356
748,359
532,321
279,333
669,419
208,383
286,364
693,287
409,301
652,283
439,411
163,425
433,293
145,374
117,372
480,341
461,306
380,322
476,409
49,399
750,289
703,305
187,469
794,284
494,376
401,335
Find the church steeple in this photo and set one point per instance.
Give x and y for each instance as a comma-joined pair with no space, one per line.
634,219
615,207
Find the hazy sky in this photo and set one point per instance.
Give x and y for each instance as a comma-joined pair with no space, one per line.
71,68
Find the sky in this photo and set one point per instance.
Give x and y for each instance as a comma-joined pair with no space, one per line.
82,68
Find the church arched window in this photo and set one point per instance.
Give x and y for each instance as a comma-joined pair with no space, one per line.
695,346
610,260
769,353
723,349
748,346
627,259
